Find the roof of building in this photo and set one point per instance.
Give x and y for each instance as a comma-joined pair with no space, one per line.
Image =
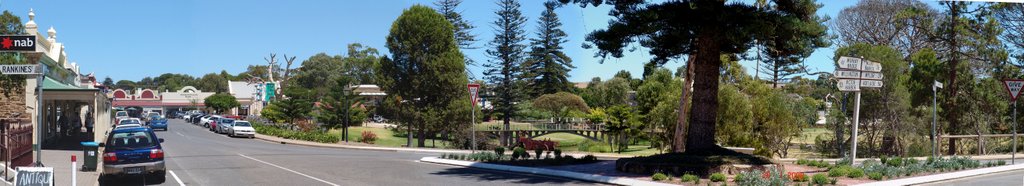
53,84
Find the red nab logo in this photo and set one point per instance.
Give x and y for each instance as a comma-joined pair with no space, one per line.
6,43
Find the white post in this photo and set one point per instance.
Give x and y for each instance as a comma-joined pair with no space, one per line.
856,122
74,173
1013,157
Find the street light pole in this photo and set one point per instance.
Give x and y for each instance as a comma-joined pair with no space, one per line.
935,119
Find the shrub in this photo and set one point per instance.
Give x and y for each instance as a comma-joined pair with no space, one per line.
855,173
500,151
839,171
368,137
519,152
659,177
558,153
797,176
538,152
875,176
589,157
801,161
689,178
717,177
820,179
739,178
833,181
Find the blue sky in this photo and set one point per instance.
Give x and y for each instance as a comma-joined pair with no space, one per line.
130,40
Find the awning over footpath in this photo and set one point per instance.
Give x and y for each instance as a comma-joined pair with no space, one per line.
50,84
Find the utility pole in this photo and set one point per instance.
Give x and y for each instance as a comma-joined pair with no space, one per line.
935,117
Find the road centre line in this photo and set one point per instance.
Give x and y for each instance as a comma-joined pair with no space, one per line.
289,170
176,178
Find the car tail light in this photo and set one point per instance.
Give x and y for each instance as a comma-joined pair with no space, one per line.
109,157
156,154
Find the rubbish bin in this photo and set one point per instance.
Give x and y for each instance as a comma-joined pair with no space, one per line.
89,155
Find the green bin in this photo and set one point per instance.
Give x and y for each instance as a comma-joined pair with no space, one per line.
89,153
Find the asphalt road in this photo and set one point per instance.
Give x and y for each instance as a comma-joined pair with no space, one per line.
196,156
1006,178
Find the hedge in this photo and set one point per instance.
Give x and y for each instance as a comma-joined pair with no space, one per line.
321,137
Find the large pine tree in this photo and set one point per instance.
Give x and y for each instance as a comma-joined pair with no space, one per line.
462,28
504,70
548,67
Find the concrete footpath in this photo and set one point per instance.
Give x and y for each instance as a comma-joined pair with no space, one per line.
276,139
60,160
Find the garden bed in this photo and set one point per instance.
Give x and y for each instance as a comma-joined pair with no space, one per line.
703,163
552,158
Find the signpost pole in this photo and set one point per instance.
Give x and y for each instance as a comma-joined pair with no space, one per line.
1013,157
935,119
39,115
473,127
856,122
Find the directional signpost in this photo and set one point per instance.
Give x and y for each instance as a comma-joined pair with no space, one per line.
852,75
1013,86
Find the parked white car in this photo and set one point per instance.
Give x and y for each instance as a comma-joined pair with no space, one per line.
206,120
242,128
129,121
123,126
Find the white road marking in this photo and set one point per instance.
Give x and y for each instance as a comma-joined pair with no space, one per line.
176,178
179,133
289,170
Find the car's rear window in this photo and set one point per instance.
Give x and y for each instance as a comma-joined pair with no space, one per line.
130,140
130,121
242,124
122,114
227,121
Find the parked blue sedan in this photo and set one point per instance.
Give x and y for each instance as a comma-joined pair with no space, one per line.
133,151
158,122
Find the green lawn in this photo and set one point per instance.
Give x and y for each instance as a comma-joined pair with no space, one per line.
385,137
807,135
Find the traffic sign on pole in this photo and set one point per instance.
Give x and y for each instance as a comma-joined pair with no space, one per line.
848,85
473,89
847,74
871,75
20,69
871,83
871,66
1013,86
850,63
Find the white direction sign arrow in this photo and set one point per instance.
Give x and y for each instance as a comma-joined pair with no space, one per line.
871,83
848,85
847,74
850,63
871,75
1013,86
871,66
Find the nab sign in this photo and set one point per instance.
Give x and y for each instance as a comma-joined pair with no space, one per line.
18,43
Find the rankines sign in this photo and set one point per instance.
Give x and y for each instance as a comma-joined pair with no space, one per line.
18,43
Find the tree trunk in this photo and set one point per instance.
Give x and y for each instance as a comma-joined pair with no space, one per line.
701,132
954,61
422,134
679,138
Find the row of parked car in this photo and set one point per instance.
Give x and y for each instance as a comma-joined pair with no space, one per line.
232,126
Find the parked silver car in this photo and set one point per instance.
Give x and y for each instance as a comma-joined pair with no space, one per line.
224,125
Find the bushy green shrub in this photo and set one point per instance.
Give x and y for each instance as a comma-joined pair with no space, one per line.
500,151
801,161
558,153
520,152
538,152
659,177
855,173
690,178
717,177
839,171
820,179
875,176
739,178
